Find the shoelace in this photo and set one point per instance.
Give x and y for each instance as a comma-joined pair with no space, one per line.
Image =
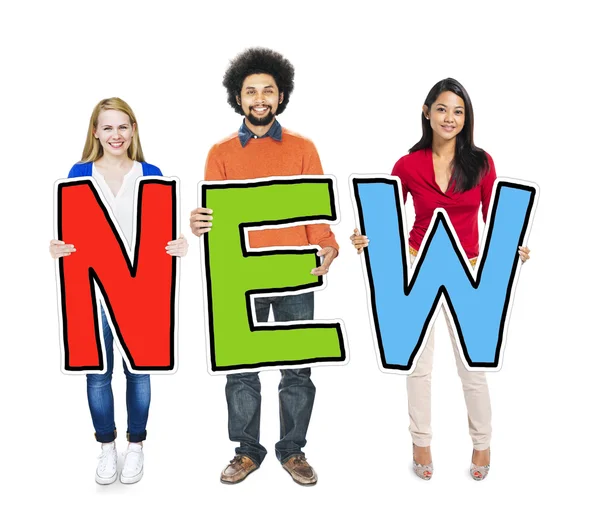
104,456
132,463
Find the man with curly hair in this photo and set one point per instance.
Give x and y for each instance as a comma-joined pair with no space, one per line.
259,83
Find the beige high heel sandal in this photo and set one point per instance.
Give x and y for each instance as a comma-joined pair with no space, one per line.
479,472
423,471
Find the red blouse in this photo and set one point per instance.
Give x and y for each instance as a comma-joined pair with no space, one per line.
417,175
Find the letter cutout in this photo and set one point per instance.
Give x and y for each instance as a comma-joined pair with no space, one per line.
138,287
405,302
234,274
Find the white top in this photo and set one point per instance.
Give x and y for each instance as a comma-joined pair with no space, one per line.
122,205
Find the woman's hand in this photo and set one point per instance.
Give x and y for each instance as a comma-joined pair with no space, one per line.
359,241
177,248
524,253
60,249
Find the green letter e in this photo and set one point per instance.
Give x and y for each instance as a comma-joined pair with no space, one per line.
235,274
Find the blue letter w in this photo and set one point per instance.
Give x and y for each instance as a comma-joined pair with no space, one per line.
403,304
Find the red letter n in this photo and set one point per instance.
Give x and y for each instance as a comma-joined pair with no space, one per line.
138,286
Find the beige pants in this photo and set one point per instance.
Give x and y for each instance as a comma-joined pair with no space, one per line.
477,397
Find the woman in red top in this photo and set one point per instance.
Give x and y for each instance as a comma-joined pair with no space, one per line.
445,169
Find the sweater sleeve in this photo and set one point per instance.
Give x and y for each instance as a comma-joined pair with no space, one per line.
81,169
73,172
318,234
321,235
214,168
399,172
487,185
151,171
312,162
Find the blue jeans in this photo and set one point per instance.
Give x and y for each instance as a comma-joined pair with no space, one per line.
296,391
100,397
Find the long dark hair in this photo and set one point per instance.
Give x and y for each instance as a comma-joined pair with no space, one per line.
470,162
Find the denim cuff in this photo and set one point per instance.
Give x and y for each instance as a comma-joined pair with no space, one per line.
106,438
136,437
257,461
288,457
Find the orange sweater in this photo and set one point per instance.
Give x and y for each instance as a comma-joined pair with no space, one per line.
266,157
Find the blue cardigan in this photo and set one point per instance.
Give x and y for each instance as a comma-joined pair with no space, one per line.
84,169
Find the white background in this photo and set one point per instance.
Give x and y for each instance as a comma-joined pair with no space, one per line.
363,72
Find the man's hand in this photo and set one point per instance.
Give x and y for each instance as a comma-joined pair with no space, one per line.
60,249
328,254
177,248
200,220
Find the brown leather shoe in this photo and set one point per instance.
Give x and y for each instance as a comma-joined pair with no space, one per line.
237,470
301,471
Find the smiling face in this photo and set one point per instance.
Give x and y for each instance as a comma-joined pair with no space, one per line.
259,99
446,115
114,131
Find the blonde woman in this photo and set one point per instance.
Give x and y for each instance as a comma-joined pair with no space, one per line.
113,157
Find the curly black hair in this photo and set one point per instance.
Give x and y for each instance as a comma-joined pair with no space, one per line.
259,61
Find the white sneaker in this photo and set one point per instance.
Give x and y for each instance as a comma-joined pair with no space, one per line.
106,472
133,468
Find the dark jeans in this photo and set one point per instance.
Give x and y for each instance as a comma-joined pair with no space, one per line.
296,391
100,397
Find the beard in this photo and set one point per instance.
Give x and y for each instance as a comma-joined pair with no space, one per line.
259,122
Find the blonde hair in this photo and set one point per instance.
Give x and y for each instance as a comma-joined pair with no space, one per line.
93,150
